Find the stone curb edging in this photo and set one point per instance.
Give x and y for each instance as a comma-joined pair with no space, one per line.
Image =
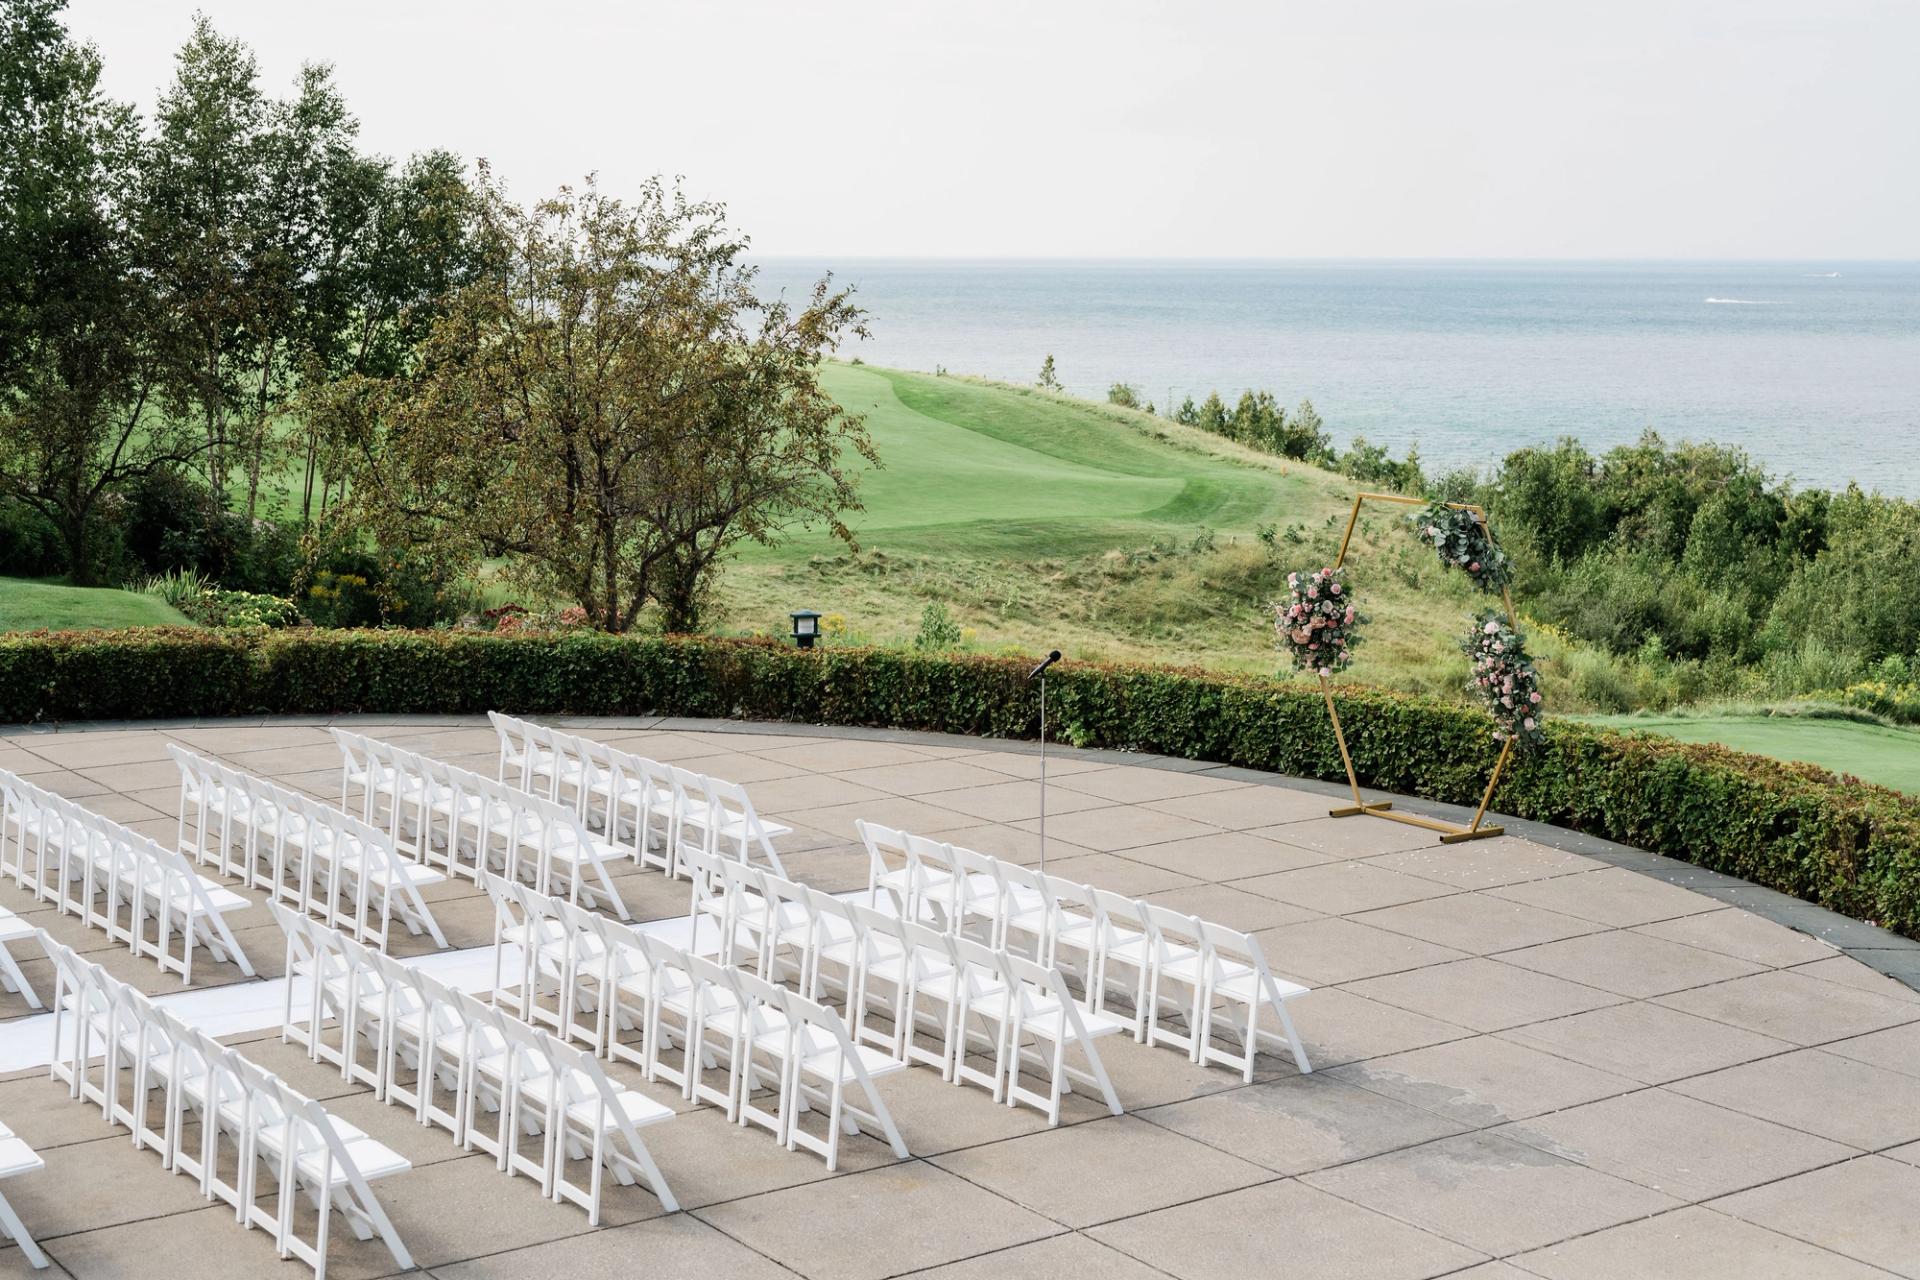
1879,949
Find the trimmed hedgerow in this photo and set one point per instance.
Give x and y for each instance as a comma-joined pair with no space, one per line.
1836,841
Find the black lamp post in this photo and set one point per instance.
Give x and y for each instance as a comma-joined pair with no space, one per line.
806,627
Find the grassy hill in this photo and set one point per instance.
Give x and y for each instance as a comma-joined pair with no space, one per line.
1043,521
30,604
1878,753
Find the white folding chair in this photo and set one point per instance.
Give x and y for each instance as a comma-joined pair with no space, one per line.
602,1124
1236,973
1045,1012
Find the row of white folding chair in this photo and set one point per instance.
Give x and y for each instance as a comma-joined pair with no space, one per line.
1164,961
980,995
780,1053
110,878
248,1119
628,799
650,807
16,1158
647,805
469,823
376,1018
302,851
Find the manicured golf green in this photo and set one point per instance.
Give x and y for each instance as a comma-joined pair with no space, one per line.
29,604
1890,757
970,469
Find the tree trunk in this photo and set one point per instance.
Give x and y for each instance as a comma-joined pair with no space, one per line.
73,534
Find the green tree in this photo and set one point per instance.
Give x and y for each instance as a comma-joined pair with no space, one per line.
1123,394
80,350
1048,380
205,179
610,405
1213,414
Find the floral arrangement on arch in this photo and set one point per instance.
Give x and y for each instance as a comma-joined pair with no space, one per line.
1317,624
1504,679
1461,540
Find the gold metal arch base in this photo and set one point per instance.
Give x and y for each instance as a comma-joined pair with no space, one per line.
1450,832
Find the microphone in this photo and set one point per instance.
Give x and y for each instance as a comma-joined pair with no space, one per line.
1050,660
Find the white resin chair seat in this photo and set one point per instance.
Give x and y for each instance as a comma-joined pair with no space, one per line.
638,1108
17,1157
1242,983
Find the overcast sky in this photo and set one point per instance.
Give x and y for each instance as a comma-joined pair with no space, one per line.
1253,128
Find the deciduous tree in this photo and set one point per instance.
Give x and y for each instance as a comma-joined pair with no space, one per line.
611,407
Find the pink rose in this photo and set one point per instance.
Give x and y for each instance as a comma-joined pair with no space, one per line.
1474,567
1336,588
1528,722
1313,593
1326,671
1492,628
1533,698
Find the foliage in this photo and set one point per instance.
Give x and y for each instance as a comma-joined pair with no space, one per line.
938,632
350,586
30,546
82,348
1124,394
1849,846
1318,622
613,407
1768,590
1048,379
1461,539
1504,680
217,607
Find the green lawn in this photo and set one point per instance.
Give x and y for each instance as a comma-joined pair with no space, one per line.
1890,757
1044,521
30,604
973,469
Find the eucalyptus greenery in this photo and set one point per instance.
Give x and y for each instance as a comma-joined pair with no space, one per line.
1461,540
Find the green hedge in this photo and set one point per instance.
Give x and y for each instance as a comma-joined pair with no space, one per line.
1839,842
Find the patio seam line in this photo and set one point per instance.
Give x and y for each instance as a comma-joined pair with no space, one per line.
1876,948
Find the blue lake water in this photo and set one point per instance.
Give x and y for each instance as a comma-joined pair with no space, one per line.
1812,367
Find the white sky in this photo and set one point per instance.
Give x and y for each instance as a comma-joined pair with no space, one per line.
1363,128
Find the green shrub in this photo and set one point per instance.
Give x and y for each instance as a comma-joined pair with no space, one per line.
1844,844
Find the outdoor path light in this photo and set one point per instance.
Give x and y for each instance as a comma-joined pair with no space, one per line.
806,627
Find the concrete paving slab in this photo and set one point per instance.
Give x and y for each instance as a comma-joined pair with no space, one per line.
1301,1123
1485,864
1694,1243
1246,1232
1647,1042
1486,995
1091,1173
1343,888
1629,964
1335,950
1484,1081
1676,1145
1798,1090
1490,1193
1792,1006
1862,1209
886,1222
1476,924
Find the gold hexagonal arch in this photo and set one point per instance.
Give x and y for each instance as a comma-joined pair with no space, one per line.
1451,832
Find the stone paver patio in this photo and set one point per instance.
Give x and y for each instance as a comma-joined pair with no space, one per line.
1529,1062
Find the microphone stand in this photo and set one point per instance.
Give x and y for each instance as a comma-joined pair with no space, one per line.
1043,771
1040,672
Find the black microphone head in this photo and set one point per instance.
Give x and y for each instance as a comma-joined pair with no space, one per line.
1054,656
